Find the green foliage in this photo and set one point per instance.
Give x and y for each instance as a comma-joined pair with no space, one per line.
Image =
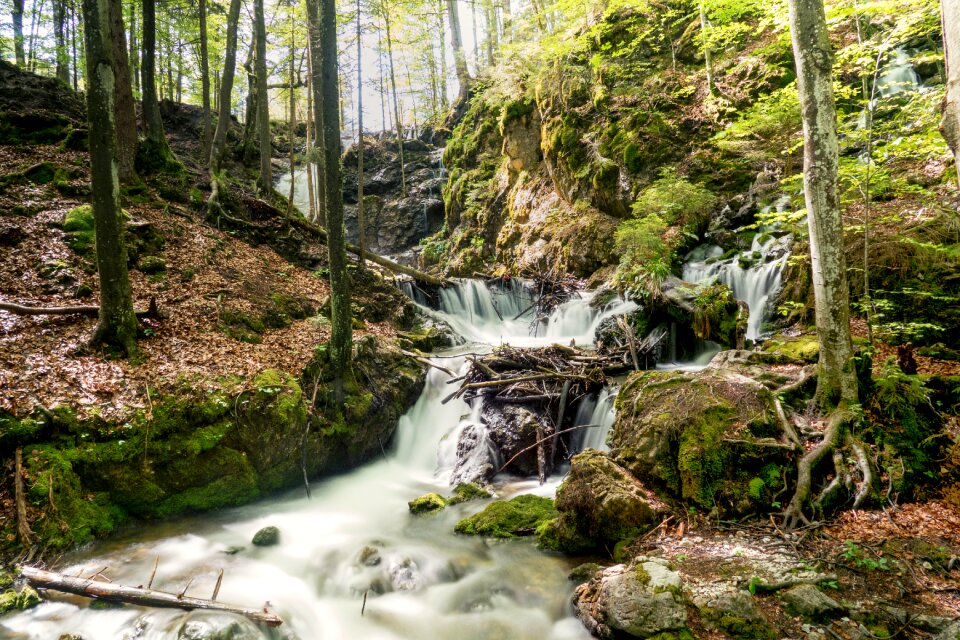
771,126
676,201
864,558
644,256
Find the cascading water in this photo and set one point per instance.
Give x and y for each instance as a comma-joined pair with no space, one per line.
356,535
595,410
754,275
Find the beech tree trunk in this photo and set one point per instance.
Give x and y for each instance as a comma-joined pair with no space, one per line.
126,115
265,181
60,39
361,227
18,49
316,79
443,57
156,150
950,123
117,327
459,58
205,77
223,111
396,104
134,49
836,380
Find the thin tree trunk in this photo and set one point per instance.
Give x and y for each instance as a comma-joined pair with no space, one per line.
459,58
507,19
492,44
361,227
476,35
836,381
205,78
126,115
117,326
179,70
34,28
293,116
18,34
311,166
384,117
707,63
413,100
73,46
443,56
156,152
396,105
223,112
60,39
950,122
134,72
316,71
265,181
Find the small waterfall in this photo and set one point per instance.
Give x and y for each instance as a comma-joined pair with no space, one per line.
595,410
897,76
754,275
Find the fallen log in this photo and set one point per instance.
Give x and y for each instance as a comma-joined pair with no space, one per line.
87,310
89,588
386,263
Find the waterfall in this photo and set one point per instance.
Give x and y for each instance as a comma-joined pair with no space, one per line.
897,76
596,410
754,275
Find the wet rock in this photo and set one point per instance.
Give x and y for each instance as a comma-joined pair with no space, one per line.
405,575
583,572
218,627
369,556
600,504
427,503
514,428
266,537
13,600
709,309
521,516
808,602
710,438
476,456
639,600
468,491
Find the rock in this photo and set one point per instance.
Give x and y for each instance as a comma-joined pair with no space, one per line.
13,600
152,264
732,610
709,309
710,438
266,537
808,602
405,575
639,600
952,632
83,290
512,429
468,491
781,349
476,456
600,504
427,503
521,516
202,626
583,572
369,556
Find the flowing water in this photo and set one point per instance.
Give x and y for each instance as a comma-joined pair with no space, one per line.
356,535
754,275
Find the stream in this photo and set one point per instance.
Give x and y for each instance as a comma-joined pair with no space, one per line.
356,534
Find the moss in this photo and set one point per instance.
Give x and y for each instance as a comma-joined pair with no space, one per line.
514,110
79,229
241,326
26,598
467,491
427,503
583,572
559,534
784,349
520,516
642,575
266,537
152,264
745,628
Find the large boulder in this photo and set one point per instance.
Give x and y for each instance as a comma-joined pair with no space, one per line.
600,504
514,428
710,439
639,600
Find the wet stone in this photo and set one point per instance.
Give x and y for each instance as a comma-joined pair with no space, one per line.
266,537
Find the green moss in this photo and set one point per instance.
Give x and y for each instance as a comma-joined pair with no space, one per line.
521,516
79,229
514,110
805,348
427,503
747,629
152,264
467,491
642,575
26,598
241,326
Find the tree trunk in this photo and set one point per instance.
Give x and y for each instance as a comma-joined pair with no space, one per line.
707,62
134,50
311,166
443,57
950,123
814,60
316,78
18,34
361,227
34,27
205,78
492,45
265,181
73,47
60,38
117,327
341,333
126,115
459,58
293,114
223,113
156,152
396,103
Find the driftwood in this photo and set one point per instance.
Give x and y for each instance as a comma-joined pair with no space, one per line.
89,310
89,588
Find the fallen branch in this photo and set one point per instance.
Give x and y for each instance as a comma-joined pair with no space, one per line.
93,311
541,441
426,361
88,588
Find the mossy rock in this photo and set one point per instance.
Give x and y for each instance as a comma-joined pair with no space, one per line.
427,503
266,537
782,349
521,516
78,228
700,438
12,600
467,491
152,264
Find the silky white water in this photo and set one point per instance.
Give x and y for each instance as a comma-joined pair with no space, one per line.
428,583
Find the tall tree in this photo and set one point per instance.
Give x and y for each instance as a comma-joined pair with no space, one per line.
117,327
223,111
60,40
205,76
361,227
950,123
265,180
397,118
836,374
126,115
459,58
316,86
341,332
18,34
134,51
156,152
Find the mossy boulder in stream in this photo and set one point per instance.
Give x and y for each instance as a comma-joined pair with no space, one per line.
600,504
427,503
521,516
709,439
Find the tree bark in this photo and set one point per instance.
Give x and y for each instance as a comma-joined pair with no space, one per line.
18,34
316,79
444,102
117,327
396,102
361,227
459,58
108,591
156,149
311,166
134,49
223,114
60,39
205,77
126,115
950,122
836,379
293,115
707,62
265,181
341,333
